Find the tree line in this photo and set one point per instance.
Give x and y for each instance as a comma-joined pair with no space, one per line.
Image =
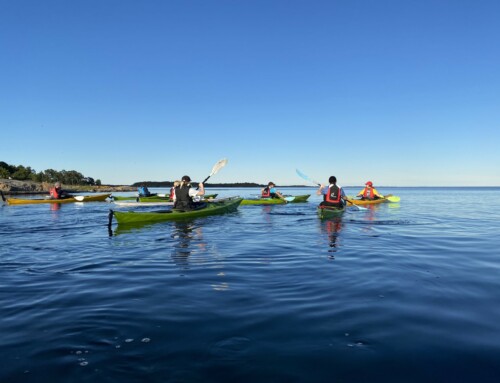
67,177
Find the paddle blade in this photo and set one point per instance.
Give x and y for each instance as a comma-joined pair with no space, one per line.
218,166
393,198
356,207
302,175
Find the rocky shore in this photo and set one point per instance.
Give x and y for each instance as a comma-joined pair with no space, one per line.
15,187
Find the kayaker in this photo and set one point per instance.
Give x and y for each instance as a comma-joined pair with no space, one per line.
270,192
57,193
172,190
369,192
333,195
187,197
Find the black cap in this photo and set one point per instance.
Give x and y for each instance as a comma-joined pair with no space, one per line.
186,178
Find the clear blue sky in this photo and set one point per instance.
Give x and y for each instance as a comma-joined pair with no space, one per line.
400,92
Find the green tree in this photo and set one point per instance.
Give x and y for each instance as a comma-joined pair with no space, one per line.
22,173
4,173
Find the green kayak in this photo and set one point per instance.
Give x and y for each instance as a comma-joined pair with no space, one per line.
227,205
275,201
154,198
325,212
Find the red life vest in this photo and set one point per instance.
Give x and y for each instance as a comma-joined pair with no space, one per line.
266,192
333,195
54,193
368,193
171,196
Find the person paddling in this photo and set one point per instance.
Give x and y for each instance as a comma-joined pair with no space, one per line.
187,197
369,192
333,195
270,192
57,193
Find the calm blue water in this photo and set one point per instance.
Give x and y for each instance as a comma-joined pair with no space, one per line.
406,292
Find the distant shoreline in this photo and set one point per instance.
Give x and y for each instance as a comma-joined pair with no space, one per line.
16,187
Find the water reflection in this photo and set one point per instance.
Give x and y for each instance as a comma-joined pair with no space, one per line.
184,232
332,227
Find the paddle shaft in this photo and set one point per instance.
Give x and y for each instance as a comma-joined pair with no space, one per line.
218,166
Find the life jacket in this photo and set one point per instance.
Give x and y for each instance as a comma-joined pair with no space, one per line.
333,196
266,193
172,192
368,193
182,199
54,193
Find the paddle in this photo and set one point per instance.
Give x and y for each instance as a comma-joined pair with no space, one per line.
218,166
392,198
302,175
3,197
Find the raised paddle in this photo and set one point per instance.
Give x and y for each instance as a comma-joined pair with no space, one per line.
302,175
218,166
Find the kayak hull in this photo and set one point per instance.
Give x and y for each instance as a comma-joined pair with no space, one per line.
326,212
275,201
220,207
87,198
388,198
368,202
134,203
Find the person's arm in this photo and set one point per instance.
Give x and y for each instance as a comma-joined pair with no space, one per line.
201,191
360,193
320,190
281,196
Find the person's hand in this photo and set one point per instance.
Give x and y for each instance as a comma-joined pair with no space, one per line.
200,185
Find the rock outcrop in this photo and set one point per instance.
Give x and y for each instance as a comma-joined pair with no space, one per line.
30,187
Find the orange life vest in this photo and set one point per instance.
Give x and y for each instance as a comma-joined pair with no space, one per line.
54,193
368,193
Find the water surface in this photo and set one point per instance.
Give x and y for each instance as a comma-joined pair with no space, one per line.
405,292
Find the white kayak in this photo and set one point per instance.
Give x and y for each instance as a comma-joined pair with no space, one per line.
134,203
